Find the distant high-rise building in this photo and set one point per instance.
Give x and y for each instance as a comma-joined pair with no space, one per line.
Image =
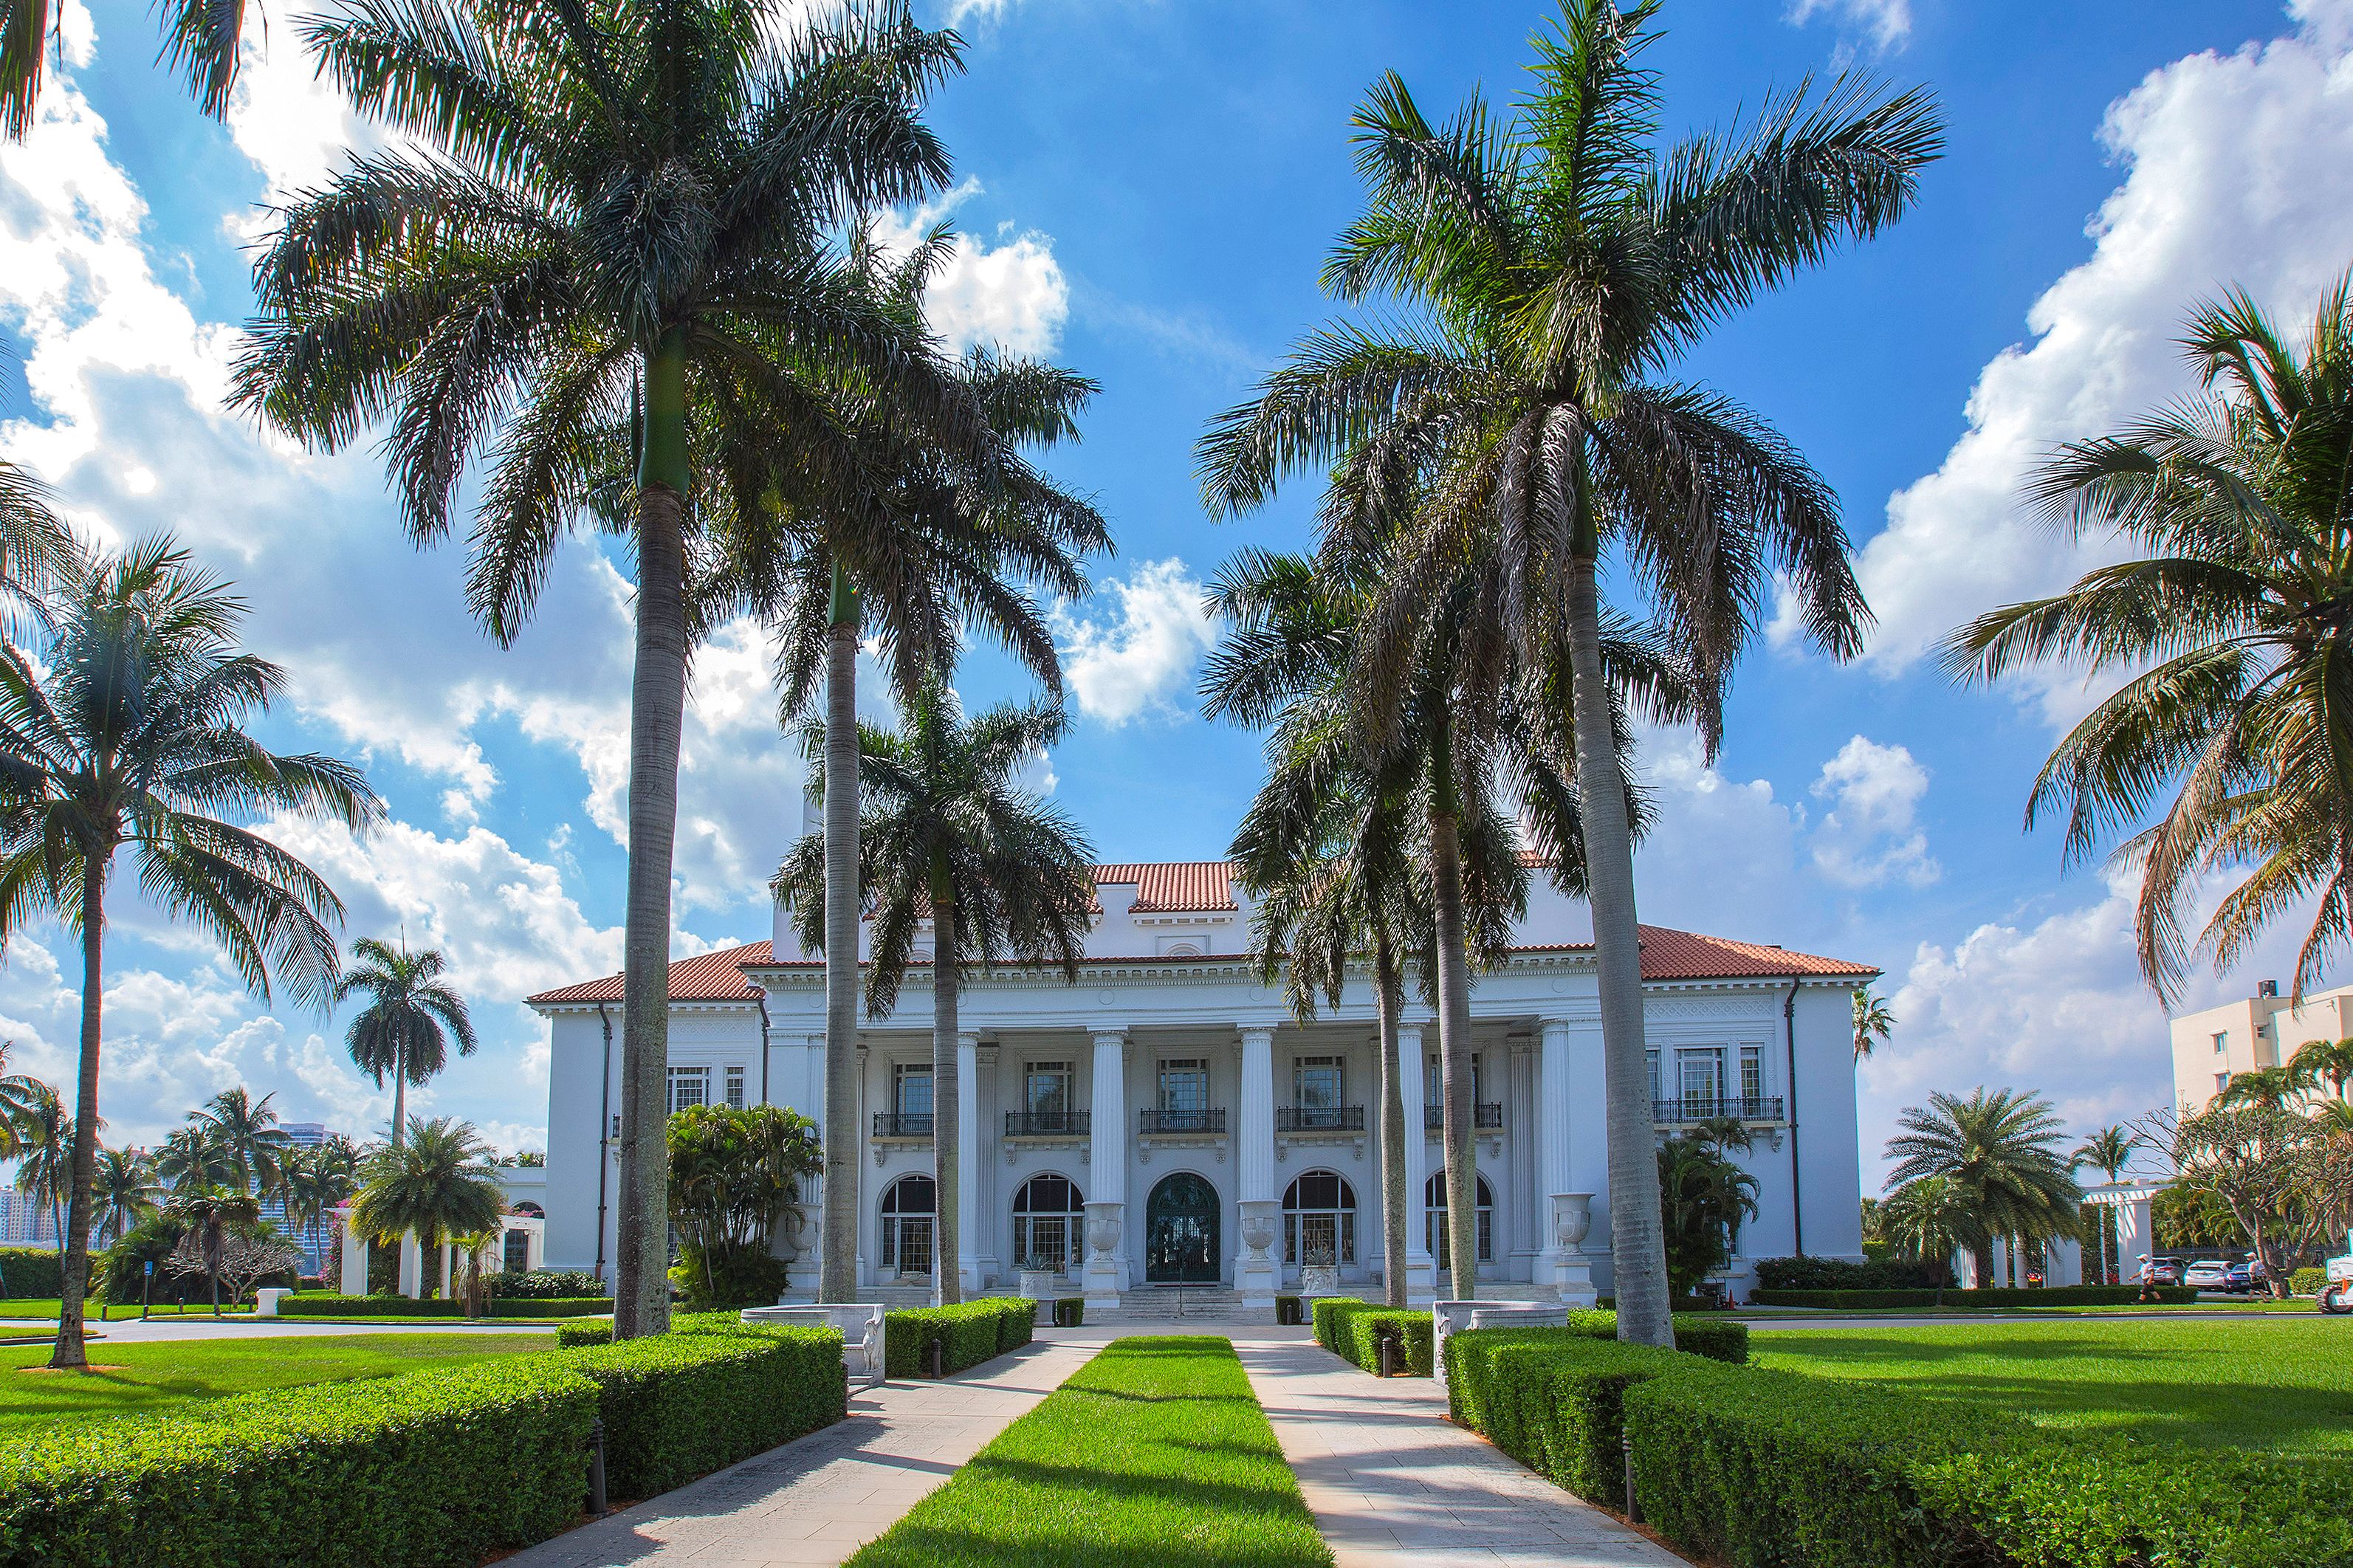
2213,1047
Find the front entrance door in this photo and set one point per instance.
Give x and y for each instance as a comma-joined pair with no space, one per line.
1180,1232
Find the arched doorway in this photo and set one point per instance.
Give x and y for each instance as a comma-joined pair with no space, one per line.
1319,1220
1047,1215
1181,1232
1433,1220
908,1207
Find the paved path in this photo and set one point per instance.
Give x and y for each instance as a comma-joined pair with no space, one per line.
818,1500
1393,1483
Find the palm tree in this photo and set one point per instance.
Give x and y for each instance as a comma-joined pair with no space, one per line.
1703,1197
212,1213
2316,1062
189,1160
123,1190
601,245
44,1140
1931,1218
200,39
438,1182
1873,1023
917,541
411,1016
1561,264
317,1179
947,836
37,549
1349,849
246,1132
131,734
2270,1088
2108,1151
2000,1151
2227,633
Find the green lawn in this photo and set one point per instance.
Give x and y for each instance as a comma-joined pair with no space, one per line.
1154,1453
143,1379
2286,1385
38,1307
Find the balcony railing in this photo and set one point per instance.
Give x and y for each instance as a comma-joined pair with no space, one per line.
1048,1124
1176,1122
1703,1108
1319,1119
902,1124
1485,1117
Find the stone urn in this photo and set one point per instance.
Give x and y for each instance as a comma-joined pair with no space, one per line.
1037,1284
1572,1220
1102,1228
1319,1279
1259,1216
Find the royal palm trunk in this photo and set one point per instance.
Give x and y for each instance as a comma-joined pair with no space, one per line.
1637,1239
74,1285
657,715
947,1274
1454,1042
1386,1001
837,1277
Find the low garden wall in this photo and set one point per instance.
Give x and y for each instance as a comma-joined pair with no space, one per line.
1743,1466
317,1305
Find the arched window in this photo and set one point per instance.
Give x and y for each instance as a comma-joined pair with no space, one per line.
908,1205
1433,1219
1046,1228
1319,1219
530,1208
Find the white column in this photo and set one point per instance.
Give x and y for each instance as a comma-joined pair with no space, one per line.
2135,1237
354,1276
2063,1262
1257,1266
1107,1167
808,1096
412,1267
968,1248
1419,1284
1562,1211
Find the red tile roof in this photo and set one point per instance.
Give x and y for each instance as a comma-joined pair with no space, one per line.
713,976
1671,954
1164,887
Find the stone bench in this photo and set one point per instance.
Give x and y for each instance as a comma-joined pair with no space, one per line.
859,1324
1455,1317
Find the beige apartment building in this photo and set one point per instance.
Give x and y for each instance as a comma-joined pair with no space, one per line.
2212,1047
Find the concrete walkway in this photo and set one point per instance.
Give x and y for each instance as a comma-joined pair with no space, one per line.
817,1500
1393,1483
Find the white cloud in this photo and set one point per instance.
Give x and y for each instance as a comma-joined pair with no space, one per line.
1889,22
2238,169
1868,837
1140,657
294,125
1011,294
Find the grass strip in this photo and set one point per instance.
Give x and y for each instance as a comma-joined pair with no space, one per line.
1155,1452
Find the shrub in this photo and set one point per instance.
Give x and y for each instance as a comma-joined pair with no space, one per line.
2306,1281
1016,1325
401,1307
30,1271
585,1332
974,1334
1070,1312
428,1469
680,1406
741,1279
544,1285
1836,1274
1754,1467
1330,1314
1963,1301
1416,1334
1287,1310
1718,1339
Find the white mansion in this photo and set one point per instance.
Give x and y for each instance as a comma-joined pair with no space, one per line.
1169,1106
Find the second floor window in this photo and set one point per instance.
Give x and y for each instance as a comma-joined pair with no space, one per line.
1185,1085
1046,1089
1433,1082
736,1089
911,1088
1752,1073
2222,1042
1700,1075
689,1085
1318,1083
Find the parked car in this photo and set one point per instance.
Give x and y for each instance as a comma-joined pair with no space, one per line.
2247,1276
2166,1271
2208,1274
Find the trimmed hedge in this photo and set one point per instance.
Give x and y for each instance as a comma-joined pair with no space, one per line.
1417,1333
1965,1300
401,1307
1330,1315
585,1332
1070,1312
1837,1274
1350,1328
544,1285
2306,1281
34,1271
680,1406
1287,1313
1760,1468
975,1332
426,1468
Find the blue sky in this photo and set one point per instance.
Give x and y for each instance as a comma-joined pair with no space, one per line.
1146,190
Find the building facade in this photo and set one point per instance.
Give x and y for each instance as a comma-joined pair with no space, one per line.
2213,1047
1167,1120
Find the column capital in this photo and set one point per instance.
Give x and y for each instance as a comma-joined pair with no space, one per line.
969,1039
1264,1034
1103,1034
816,1042
1555,1029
